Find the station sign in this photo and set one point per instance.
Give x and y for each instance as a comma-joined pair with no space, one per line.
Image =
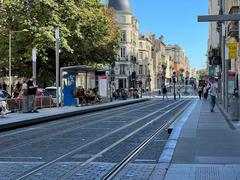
233,50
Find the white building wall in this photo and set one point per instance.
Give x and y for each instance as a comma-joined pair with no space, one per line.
214,8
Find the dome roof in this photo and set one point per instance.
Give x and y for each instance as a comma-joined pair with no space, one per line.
120,5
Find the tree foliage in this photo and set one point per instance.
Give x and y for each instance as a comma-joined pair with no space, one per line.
89,34
202,73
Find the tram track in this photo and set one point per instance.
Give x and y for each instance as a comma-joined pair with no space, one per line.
117,168
155,115
73,119
68,128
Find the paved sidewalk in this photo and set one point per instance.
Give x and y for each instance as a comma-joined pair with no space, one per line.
208,148
15,120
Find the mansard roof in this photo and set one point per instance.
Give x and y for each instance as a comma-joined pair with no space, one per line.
120,5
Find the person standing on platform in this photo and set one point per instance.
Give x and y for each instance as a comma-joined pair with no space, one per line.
32,90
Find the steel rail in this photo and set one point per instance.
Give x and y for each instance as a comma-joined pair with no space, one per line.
77,168
74,118
138,149
45,165
66,130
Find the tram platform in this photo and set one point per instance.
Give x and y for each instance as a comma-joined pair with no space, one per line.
202,145
16,120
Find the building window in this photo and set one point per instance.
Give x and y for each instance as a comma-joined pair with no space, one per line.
140,55
141,44
123,36
122,19
123,52
140,69
122,69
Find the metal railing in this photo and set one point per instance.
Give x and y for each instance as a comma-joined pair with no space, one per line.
16,104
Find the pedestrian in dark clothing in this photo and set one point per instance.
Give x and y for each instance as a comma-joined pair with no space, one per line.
17,90
200,92
31,91
164,92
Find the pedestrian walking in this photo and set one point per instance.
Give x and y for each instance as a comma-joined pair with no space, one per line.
200,91
164,92
31,91
213,87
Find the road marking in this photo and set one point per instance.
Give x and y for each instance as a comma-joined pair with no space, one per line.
39,158
145,160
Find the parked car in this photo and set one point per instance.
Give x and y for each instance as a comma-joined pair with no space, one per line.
53,92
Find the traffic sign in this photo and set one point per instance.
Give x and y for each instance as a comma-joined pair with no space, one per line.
214,18
212,70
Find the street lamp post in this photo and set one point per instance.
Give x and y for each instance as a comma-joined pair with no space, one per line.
10,58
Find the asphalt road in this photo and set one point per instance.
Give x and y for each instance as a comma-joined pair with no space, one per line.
88,146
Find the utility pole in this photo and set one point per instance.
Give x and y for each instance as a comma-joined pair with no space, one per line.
10,63
174,85
224,64
222,18
34,63
57,37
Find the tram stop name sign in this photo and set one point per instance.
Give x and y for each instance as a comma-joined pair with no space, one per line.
232,50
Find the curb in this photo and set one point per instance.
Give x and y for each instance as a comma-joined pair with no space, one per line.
38,120
169,148
226,116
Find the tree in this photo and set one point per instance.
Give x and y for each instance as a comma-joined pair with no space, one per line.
89,34
202,73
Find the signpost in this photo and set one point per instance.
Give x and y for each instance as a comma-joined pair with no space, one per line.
232,50
34,63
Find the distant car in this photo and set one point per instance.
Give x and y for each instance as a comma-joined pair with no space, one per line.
53,92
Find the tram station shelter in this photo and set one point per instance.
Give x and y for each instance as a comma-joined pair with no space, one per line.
83,76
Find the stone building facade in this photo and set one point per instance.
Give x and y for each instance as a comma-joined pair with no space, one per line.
143,60
125,65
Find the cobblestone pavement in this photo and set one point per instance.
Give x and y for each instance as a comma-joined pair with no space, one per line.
71,147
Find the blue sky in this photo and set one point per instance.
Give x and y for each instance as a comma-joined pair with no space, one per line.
176,20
